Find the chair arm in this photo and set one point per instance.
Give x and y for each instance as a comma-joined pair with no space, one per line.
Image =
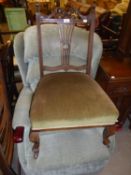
21,113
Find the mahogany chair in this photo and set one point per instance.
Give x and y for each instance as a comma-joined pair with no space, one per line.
68,100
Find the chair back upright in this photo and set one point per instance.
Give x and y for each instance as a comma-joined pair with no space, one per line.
66,19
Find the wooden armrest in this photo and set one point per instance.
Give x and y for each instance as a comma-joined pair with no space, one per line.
18,134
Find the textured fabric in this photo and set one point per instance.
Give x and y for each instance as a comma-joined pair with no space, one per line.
51,43
21,112
25,49
76,152
61,153
33,73
70,100
56,158
19,55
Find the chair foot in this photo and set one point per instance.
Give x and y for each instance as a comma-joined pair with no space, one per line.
34,137
108,131
35,150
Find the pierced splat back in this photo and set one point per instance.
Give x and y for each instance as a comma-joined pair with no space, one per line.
66,21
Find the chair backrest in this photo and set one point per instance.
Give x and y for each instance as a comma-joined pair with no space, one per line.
16,19
66,21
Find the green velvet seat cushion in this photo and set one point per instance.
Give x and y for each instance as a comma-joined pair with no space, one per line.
66,100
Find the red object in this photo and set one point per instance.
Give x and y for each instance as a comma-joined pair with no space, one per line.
118,126
18,134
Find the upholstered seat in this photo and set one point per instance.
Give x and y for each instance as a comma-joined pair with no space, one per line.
64,100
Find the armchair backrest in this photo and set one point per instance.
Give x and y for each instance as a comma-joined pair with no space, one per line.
26,50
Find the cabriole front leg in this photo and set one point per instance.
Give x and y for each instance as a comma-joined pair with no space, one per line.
34,137
108,131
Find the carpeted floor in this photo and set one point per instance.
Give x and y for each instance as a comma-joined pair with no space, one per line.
120,161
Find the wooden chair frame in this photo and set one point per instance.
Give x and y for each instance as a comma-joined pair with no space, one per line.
66,20
66,25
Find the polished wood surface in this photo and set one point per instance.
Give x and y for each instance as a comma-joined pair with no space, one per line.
115,65
114,75
125,35
6,132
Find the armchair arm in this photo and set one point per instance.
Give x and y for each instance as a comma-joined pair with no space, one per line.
21,113
21,124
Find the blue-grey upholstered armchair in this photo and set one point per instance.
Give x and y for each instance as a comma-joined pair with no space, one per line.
72,152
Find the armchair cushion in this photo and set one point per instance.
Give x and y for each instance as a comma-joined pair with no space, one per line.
65,100
26,52
74,152
33,73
